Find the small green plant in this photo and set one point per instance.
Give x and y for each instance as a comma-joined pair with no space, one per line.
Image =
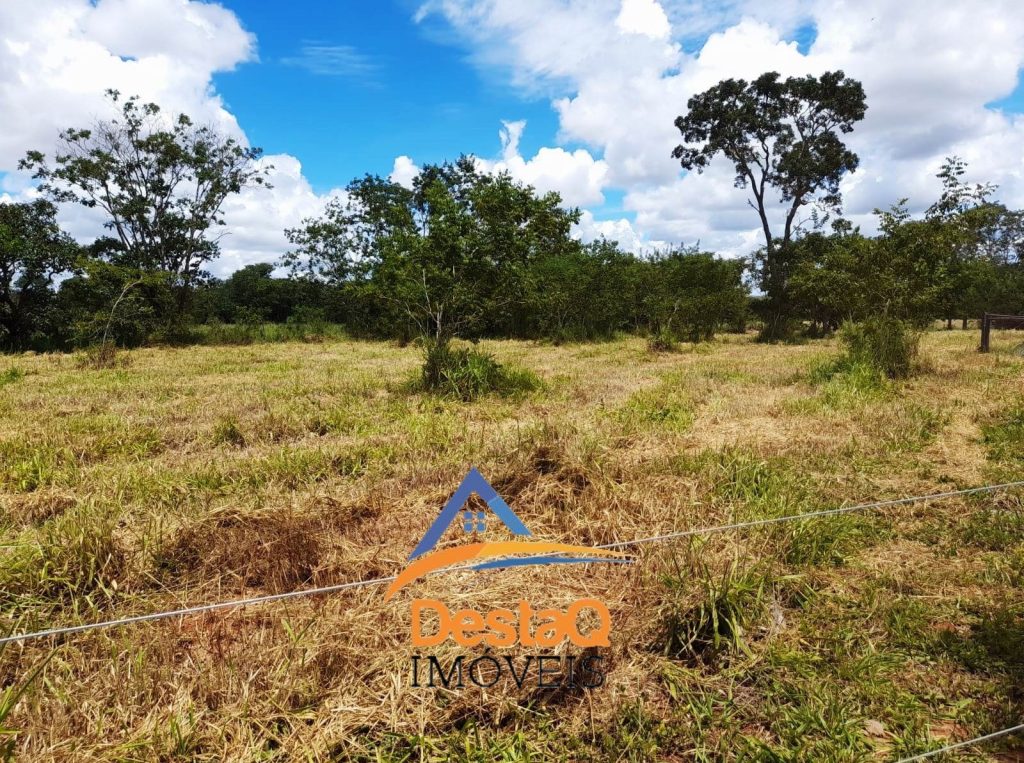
11,375
1004,435
228,432
467,373
887,344
717,621
103,356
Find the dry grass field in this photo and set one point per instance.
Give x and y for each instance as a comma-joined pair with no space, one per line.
203,474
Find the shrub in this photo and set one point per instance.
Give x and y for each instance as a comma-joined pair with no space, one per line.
101,356
307,324
885,343
468,373
11,375
663,341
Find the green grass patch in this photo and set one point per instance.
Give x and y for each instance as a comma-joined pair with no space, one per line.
826,541
227,431
1004,435
466,373
714,622
75,555
26,466
11,375
762,487
846,383
666,406
909,427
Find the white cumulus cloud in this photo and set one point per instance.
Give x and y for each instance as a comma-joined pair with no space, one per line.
644,17
576,175
618,75
404,171
57,57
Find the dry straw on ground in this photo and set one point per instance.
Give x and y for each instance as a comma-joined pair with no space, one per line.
202,474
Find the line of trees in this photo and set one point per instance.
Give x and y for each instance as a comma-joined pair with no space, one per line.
467,254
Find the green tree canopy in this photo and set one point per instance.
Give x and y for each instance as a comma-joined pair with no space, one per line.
161,183
783,135
33,252
444,255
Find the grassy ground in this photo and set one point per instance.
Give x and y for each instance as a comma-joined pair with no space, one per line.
202,474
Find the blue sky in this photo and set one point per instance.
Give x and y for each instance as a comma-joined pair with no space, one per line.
586,92
348,86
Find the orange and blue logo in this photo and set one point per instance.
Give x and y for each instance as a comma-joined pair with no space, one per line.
586,623
427,559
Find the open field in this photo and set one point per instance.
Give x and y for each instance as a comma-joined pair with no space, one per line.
203,474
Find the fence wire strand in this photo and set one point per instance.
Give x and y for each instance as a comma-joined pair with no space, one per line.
966,743
322,590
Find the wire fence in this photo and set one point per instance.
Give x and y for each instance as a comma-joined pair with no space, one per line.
965,743
323,590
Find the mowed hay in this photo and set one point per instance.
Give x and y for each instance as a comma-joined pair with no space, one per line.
208,474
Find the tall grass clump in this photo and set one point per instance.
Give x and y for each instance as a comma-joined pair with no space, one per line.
11,375
713,621
99,357
1004,435
467,373
849,383
881,342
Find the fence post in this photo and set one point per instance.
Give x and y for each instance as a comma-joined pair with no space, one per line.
986,326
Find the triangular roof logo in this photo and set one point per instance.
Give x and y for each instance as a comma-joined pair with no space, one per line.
474,482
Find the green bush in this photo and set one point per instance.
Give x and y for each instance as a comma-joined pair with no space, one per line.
662,341
885,343
11,375
307,324
468,373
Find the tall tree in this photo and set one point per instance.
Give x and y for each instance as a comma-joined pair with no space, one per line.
980,235
161,184
444,256
782,135
33,252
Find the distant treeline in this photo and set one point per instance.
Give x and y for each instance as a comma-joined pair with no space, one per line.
587,292
460,253
590,292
